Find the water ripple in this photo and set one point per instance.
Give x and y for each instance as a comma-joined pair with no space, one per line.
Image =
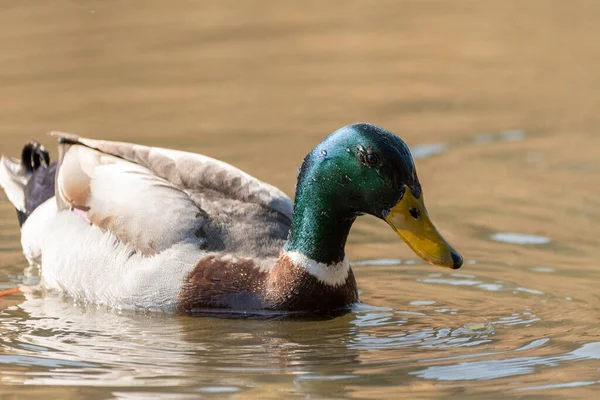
494,369
519,238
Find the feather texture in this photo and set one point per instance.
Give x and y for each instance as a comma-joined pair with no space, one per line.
13,179
150,215
153,198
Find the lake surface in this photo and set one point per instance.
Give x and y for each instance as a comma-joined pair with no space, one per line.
499,101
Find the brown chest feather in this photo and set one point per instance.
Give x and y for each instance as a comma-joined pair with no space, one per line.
222,282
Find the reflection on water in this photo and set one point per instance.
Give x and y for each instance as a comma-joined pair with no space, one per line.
514,135
519,238
63,344
494,369
498,103
427,150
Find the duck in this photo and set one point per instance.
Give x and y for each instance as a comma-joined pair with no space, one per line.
146,228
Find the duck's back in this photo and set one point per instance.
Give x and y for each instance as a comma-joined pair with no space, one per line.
153,198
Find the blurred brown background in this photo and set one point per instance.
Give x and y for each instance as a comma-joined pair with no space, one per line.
259,83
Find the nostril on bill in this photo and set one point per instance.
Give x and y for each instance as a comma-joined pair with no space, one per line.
415,213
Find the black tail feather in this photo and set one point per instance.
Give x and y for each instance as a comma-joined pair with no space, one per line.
34,156
21,216
40,186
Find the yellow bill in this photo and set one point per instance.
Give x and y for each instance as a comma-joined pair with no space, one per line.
411,222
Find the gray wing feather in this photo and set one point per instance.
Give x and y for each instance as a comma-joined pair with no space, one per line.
133,189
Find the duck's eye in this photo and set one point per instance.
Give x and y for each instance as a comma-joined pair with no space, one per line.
366,157
372,158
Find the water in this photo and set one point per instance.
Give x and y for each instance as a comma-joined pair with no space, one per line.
499,102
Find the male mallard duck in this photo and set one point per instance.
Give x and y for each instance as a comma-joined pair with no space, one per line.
139,227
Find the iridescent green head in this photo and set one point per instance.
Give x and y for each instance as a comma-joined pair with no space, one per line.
362,169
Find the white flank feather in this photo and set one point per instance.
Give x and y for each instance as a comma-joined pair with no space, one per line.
12,182
95,267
